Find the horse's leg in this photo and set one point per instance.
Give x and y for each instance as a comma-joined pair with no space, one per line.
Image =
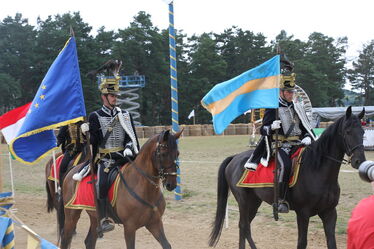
71,219
329,221
248,208
302,226
129,232
91,237
157,230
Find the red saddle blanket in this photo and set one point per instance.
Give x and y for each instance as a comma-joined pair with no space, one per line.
54,176
264,176
83,197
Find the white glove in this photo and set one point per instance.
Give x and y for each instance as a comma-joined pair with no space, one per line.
276,125
127,152
306,140
84,128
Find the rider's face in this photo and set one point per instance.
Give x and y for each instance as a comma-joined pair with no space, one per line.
287,95
110,100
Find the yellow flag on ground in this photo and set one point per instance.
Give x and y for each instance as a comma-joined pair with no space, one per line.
32,243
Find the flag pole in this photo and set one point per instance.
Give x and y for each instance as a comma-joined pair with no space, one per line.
174,90
72,34
276,170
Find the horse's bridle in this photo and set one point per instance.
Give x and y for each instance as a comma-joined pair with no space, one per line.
349,151
161,168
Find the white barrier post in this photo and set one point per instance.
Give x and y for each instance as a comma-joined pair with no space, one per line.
11,173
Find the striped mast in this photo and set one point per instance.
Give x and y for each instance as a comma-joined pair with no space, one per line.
174,90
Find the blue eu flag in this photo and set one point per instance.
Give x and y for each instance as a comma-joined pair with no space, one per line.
58,102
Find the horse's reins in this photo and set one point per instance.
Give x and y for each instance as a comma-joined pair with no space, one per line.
135,195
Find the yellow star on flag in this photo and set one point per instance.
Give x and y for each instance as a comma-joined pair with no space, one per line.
36,105
42,96
44,87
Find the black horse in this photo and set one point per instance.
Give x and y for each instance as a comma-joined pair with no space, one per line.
315,193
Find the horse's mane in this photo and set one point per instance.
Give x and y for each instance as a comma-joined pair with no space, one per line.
318,149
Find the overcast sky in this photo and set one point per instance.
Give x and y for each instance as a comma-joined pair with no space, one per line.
334,18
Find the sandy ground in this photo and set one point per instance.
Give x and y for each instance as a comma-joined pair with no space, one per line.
183,231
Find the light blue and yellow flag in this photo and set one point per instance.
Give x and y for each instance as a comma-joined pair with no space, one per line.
255,88
6,233
58,101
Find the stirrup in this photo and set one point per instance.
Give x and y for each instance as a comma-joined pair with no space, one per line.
283,207
106,225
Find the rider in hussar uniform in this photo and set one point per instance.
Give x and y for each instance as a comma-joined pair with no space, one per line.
113,139
72,143
294,129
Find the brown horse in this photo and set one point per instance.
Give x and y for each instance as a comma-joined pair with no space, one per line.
52,202
140,201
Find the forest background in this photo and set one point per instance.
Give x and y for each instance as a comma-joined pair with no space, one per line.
321,66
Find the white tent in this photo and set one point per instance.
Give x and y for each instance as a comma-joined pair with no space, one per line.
333,113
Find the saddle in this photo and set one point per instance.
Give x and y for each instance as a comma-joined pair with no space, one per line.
264,176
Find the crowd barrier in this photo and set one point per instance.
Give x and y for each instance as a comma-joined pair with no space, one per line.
205,130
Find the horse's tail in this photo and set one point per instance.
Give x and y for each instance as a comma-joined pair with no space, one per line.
60,215
222,194
50,203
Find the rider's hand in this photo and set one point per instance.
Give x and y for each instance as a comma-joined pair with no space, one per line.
127,152
276,125
84,128
306,140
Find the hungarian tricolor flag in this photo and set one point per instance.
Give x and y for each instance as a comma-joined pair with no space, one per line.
11,122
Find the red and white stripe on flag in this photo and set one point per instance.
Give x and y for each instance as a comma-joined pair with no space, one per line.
11,122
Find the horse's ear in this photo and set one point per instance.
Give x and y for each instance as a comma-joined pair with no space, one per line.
348,113
362,113
179,133
166,135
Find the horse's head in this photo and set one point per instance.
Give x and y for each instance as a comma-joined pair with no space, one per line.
165,158
353,134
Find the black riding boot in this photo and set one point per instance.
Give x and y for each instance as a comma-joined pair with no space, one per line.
283,206
106,224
